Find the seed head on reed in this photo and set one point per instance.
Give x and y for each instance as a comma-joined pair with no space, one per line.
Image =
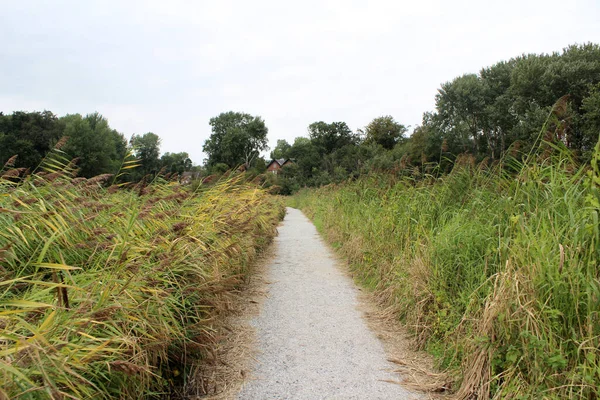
113,189
53,176
128,368
561,107
11,162
178,227
99,180
11,173
514,149
404,161
71,168
61,143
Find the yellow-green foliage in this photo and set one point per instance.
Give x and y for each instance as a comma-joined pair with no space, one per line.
113,293
496,273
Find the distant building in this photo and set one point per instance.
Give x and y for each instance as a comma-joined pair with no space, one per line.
188,176
276,165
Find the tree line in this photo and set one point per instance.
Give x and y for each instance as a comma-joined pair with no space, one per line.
499,110
98,148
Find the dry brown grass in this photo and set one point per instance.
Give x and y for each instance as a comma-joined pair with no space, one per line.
512,297
415,368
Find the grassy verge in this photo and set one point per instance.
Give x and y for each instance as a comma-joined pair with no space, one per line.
497,274
112,293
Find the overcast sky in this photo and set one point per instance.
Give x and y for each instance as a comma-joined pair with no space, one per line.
168,66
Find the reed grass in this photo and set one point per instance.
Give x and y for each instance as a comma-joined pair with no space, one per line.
114,292
494,269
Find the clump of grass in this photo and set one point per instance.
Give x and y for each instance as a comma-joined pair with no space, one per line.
496,272
116,293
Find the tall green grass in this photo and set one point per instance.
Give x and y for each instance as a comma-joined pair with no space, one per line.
496,273
117,293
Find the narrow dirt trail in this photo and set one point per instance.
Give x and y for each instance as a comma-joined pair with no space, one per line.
313,343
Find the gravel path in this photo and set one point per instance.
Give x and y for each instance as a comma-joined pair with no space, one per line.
313,343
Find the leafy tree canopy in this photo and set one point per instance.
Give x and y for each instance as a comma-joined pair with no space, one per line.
385,131
99,148
29,135
508,102
329,137
175,162
282,150
237,139
147,149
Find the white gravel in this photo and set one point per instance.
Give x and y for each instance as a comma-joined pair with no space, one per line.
313,343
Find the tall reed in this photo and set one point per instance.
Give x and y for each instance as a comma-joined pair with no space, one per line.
495,272
115,293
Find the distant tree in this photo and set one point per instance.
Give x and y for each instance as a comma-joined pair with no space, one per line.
282,150
544,78
462,105
99,148
349,160
175,162
290,179
385,131
425,145
260,165
236,139
510,101
120,148
307,156
218,168
499,107
29,135
329,137
147,149
591,118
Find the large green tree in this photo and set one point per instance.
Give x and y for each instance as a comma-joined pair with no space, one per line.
237,139
99,148
175,162
332,136
385,131
282,150
147,149
462,105
508,102
29,135
306,155
591,118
